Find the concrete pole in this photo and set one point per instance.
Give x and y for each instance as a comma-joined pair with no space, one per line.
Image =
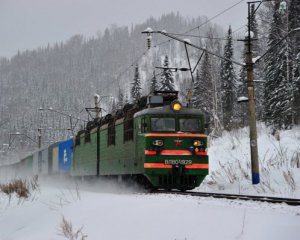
39,138
252,111
97,109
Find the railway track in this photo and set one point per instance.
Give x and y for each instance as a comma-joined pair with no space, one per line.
288,201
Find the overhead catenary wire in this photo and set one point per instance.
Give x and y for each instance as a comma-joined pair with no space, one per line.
219,14
263,20
116,80
206,22
240,28
167,41
216,38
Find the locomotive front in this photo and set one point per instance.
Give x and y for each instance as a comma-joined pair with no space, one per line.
175,146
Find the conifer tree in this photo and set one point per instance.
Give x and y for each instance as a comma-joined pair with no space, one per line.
126,99
196,91
215,45
113,106
136,85
296,89
120,99
153,86
294,22
228,79
278,94
203,87
167,80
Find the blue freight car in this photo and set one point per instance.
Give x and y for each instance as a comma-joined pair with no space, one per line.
65,149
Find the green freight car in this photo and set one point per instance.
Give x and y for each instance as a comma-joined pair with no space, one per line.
157,142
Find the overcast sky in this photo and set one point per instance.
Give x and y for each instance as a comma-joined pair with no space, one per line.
28,24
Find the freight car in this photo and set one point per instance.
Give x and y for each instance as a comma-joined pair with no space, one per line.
53,160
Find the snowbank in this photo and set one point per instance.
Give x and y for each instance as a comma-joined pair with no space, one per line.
279,159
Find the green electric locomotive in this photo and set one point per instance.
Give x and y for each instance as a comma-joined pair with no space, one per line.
157,142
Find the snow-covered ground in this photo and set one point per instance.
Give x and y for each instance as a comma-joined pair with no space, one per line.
107,211
279,161
131,215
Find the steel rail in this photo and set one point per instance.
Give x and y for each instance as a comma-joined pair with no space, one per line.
288,201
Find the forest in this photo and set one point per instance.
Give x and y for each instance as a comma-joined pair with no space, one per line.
46,91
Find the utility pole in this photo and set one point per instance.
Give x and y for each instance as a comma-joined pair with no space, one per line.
251,101
71,117
251,95
39,138
97,109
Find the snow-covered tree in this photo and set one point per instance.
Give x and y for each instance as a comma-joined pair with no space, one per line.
112,106
196,99
278,92
296,89
167,80
154,85
136,85
126,99
203,87
215,45
294,22
120,98
228,81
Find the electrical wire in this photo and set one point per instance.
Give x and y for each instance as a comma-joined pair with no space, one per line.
207,21
238,29
219,14
167,41
272,25
196,36
121,73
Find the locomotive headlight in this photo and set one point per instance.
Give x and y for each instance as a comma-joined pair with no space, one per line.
158,143
197,143
176,106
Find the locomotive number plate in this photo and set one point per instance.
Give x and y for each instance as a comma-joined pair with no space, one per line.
178,161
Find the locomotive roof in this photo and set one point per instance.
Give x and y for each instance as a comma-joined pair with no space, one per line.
168,111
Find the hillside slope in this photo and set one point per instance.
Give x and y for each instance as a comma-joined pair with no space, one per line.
279,160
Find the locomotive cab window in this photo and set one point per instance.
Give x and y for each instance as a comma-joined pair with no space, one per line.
144,127
163,124
190,125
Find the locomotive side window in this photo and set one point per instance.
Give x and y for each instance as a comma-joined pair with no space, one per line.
128,126
163,124
128,130
77,140
189,125
87,137
111,133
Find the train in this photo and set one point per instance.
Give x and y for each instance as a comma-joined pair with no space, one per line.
157,142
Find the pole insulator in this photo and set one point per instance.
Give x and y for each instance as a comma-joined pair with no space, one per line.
149,41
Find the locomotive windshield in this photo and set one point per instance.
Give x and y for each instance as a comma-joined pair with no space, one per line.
189,125
163,124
